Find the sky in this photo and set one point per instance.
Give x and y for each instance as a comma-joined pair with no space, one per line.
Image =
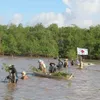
83,13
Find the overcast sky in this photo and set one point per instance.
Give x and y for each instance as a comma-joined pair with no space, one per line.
83,13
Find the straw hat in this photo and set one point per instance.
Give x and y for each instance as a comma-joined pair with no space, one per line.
24,73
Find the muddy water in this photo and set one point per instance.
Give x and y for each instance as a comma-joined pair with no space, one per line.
85,85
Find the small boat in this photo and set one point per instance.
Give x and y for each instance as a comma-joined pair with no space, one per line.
40,74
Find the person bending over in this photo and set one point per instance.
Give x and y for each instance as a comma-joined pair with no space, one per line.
42,66
13,77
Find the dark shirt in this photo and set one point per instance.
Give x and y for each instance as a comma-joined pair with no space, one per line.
13,70
52,68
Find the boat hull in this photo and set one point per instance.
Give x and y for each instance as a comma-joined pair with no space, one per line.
51,76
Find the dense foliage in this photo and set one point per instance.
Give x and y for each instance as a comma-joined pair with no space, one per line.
6,67
50,41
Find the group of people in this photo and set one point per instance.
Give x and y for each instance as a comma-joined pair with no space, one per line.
13,76
52,66
61,64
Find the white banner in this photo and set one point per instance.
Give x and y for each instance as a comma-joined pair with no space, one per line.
82,51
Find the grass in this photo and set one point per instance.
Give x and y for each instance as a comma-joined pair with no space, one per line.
60,74
35,69
5,67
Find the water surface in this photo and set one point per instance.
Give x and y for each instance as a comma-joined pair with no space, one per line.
85,85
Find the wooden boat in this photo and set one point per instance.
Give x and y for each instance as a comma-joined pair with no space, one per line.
40,74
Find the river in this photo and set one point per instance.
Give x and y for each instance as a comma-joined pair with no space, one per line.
85,85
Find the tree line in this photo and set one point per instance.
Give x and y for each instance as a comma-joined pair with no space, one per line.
51,41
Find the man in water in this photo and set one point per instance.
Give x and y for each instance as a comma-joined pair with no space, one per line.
42,66
60,64
52,68
24,76
66,63
13,78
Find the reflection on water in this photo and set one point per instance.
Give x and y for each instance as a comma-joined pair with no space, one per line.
85,85
11,87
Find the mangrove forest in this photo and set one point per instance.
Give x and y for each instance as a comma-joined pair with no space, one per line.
51,41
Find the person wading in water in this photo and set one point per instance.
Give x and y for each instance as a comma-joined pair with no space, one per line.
24,76
42,66
52,68
13,77
60,64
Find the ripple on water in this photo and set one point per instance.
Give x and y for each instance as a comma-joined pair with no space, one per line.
84,86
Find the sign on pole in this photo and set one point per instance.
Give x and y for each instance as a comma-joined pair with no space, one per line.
82,51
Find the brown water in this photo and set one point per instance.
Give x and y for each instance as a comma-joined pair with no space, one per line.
85,85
